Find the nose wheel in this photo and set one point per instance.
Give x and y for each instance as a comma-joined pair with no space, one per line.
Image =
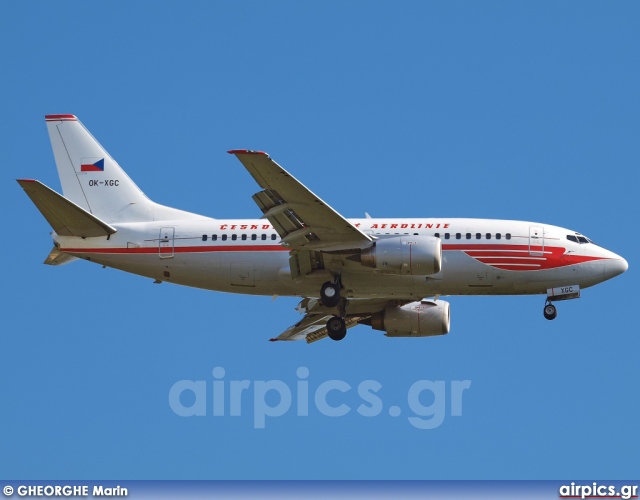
336,328
550,312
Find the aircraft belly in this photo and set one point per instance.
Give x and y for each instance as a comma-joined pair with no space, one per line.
372,284
237,272
267,273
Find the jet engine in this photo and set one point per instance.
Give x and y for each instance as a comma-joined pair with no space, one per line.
417,319
414,255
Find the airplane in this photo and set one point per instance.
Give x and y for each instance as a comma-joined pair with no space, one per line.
386,273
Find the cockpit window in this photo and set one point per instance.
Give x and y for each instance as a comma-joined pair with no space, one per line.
577,238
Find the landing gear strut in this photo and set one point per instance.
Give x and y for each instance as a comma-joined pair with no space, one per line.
336,328
330,294
550,311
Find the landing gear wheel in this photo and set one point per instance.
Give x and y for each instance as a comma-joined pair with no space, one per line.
550,311
330,294
336,329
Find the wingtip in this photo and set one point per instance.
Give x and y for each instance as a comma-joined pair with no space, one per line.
60,118
26,180
273,340
246,152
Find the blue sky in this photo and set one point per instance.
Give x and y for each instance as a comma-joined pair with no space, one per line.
514,110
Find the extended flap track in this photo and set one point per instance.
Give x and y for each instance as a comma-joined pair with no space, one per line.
284,219
303,262
322,332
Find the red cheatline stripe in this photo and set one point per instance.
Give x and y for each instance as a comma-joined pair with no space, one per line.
505,255
203,249
480,253
487,246
521,263
518,267
482,258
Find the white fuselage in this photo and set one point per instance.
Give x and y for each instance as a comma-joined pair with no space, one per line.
480,257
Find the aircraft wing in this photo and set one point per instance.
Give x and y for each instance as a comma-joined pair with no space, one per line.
302,219
313,327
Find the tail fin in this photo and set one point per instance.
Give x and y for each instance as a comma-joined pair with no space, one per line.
94,181
90,177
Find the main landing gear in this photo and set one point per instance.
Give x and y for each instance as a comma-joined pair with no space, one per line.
550,312
330,294
336,328
330,297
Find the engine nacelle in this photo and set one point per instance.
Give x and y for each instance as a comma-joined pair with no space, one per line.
418,319
415,255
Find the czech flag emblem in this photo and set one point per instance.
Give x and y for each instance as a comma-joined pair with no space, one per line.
93,167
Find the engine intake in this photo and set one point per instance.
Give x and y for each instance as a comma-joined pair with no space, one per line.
414,255
418,319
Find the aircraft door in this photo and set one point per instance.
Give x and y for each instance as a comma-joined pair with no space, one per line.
165,242
536,241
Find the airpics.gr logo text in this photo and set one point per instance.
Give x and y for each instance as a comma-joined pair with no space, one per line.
427,401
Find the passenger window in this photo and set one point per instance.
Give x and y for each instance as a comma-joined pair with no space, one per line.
488,236
508,236
447,236
244,237
458,236
224,237
234,237
478,236
498,236
204,237
254,237
214,237
437,235
263,237
468,236
571,237
273,237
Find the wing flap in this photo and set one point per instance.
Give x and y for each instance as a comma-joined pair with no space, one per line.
65,217
307,325
301,218
313,327
322,333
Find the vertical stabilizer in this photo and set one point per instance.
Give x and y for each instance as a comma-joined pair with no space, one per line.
94,181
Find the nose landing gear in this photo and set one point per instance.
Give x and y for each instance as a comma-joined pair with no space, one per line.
550,312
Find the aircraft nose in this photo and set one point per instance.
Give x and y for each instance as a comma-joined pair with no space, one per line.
616,266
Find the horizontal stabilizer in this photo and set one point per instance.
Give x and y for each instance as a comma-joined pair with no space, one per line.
58,258
66,218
